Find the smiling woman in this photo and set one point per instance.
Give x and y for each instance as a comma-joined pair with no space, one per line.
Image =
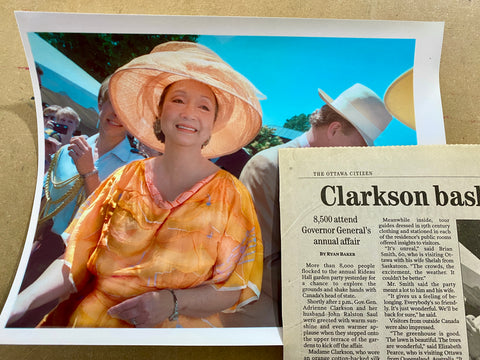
169,241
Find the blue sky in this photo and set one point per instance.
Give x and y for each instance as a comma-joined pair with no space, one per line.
289,70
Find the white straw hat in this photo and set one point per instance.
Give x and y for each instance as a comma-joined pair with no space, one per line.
362,108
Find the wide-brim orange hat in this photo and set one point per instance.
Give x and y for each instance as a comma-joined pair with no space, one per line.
399,99
135,90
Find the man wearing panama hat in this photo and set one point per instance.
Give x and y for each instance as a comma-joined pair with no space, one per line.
355,118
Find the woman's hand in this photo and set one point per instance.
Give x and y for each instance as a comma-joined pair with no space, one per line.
152,308
146,310
81,153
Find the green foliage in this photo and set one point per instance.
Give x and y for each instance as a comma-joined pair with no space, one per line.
298,122
263,140
101,54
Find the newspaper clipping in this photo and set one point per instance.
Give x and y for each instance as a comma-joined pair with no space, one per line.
374,266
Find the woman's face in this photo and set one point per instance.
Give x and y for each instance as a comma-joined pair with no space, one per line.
188,113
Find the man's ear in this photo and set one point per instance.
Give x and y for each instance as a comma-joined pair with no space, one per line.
333,129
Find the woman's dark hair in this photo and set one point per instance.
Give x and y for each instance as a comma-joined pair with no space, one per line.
157,127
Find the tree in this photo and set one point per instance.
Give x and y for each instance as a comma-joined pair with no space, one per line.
263,140
101,54
298,122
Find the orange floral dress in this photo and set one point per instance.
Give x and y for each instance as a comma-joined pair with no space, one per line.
126,241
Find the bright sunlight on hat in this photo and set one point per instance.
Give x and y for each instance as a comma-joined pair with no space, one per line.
362,108
136,87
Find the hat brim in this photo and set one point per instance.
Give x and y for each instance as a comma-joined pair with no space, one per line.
135,91
399,99
329,101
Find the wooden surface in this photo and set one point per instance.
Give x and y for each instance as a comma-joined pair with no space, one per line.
459,82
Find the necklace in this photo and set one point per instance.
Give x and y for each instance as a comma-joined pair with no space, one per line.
52,207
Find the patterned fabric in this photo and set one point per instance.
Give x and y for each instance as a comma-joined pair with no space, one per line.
126,241
260,177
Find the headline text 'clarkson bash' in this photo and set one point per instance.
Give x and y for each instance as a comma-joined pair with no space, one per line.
339,196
